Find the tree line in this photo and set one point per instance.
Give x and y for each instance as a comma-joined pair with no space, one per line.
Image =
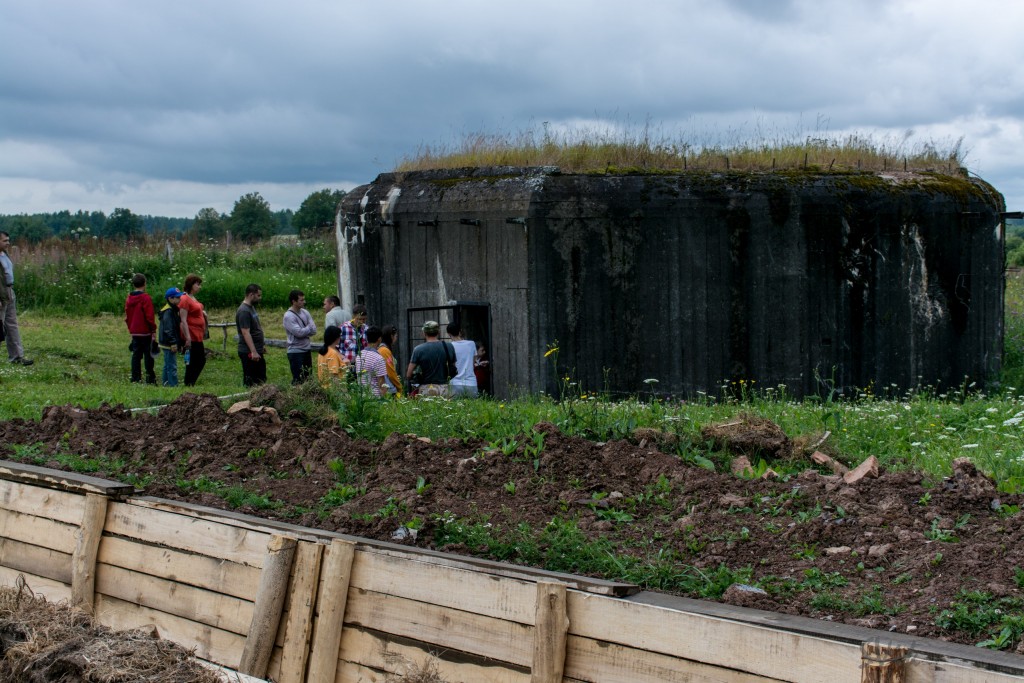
250,220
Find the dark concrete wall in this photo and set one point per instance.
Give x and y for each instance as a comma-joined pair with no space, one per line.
697,279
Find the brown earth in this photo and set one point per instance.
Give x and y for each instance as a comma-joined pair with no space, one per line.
912,543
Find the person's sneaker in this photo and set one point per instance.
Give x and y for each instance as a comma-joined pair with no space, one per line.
21,360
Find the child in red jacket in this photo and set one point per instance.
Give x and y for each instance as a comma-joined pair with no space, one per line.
140,319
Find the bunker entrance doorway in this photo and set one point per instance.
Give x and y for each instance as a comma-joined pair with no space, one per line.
473,316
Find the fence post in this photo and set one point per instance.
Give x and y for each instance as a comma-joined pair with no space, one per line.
266,613
87,546
337,572
549,633
882,663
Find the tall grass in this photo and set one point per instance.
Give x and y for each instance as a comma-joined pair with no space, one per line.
91,277
644,148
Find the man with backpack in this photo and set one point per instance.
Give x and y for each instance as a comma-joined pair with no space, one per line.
432,363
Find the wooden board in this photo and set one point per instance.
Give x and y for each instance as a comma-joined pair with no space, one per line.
219,576
445,628
765,652
375,651
197,605
54,591
923,671
36,560
38,531
41,502
445,586
201,536
66,481
591,660
210,643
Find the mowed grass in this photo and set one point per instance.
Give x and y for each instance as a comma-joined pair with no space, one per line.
85,361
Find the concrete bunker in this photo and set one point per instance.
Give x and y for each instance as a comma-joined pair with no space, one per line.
804,279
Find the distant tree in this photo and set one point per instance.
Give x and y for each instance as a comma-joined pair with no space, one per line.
209,224
123,223
252,219
284,221
29,228
316,215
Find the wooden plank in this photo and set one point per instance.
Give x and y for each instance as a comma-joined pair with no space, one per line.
213,644
201,536
332,604
925,671
229,675
766,652
257,524
83,560
298,626
38,531
924,648
34,559
54,591
41,502
395,656
219,576
270,597
500,640
459,588
65,481
552,625
582,583
194,604
592,660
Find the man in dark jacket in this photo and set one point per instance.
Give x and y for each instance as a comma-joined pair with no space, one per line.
141,322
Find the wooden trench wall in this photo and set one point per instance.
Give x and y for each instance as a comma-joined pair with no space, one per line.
291,604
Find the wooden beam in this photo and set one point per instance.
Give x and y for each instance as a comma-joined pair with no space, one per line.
298,626
31,499
65,481
883,663
270,597
331,604
35,560
549,634
87,545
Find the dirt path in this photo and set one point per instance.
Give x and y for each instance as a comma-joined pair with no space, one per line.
891,552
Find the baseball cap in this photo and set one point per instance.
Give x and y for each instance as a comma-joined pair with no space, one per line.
172,292
431,327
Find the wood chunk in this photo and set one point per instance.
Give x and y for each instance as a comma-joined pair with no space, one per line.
868,468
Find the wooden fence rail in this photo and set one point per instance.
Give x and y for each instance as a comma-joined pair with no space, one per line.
296,604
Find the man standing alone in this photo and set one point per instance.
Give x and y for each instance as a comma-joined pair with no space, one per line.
251,347
15,352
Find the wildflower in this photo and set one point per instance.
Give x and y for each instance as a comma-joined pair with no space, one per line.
650,380
970,445
553,349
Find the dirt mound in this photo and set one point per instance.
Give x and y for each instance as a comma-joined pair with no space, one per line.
749,435
894,552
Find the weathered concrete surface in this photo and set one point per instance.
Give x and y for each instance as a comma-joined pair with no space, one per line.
695,279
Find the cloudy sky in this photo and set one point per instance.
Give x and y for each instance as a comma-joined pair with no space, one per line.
165,108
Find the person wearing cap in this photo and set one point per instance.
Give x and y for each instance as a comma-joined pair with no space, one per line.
169,336
433,361
141,322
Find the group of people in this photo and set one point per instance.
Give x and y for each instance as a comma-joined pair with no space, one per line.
182,330
352,350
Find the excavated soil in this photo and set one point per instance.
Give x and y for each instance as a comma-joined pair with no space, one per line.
915,544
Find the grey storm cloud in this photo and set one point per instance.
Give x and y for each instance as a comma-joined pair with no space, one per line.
120,94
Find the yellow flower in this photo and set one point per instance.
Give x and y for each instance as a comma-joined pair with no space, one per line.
553,349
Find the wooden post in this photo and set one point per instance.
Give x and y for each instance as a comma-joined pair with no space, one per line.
87,546
337,573
266,613
549,633
882,663
299,625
